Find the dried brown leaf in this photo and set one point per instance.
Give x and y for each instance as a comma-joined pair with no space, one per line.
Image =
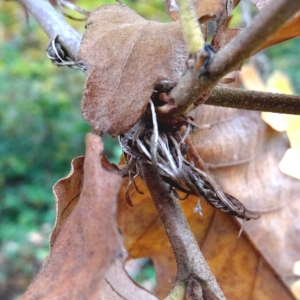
240,269
87,242
215,9
172,7
86,260
66,192
125,55
205,9
223,36
242,153
289,31
120,284
144,235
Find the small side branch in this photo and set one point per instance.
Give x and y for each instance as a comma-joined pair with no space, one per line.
54,25
193,271
190,87
254,100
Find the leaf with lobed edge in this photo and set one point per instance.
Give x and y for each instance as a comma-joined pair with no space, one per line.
240,269
242,153
86,259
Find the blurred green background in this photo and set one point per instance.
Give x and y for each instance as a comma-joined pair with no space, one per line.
41,131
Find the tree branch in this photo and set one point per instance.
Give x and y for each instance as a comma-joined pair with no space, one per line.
54,25
254,100
190,86
190,261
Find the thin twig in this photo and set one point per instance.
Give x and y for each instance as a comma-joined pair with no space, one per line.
190,86
54,25
186,250
254,100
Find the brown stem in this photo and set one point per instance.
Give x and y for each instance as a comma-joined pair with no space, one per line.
190,86
54,25
254,100
190,261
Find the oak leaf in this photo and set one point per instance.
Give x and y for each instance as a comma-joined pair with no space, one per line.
291,29
67,192
86,258
242,153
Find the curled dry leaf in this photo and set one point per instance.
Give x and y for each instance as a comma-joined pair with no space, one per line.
66,192
223,36
288,31
125,55
172,7
86,250
205,9
118,285
215,9
291,29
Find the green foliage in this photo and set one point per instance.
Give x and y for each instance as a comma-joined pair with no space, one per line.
147,273
285,56
154,9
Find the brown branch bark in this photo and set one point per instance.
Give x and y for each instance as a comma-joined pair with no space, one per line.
254,100
54,25
190,261
190,86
